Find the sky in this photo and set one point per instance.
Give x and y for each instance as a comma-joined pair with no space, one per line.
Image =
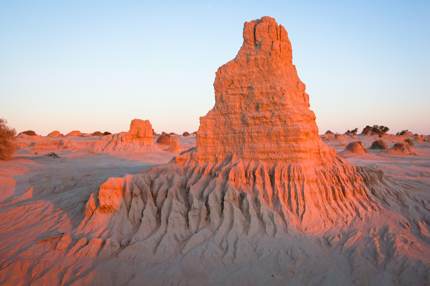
95,65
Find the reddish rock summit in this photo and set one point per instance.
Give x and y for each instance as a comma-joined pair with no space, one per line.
138,137
141,129
261,108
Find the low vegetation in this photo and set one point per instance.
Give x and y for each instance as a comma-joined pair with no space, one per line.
352,132
375,130
7,141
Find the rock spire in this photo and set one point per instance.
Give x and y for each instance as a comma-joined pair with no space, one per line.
261,107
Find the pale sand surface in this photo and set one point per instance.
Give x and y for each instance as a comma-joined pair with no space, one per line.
42,203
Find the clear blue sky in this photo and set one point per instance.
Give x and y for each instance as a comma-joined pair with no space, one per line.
95,65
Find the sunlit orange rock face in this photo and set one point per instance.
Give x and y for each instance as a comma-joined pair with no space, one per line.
261,107
139,135
141,129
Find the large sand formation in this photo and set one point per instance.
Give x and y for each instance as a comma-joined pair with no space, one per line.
259,149
259,200
259,171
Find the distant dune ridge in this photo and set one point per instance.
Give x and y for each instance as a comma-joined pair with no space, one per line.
255,198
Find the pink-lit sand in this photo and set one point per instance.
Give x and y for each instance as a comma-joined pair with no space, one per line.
257,197
43,204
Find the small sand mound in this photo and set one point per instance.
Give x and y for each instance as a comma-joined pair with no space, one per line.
341,138
379,145
401,149
170,140
54,134
164,139
97,133
328,135
356,148
75,133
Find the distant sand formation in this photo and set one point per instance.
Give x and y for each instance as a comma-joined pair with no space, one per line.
139,136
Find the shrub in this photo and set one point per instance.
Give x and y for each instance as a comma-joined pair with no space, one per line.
406,133
7,141
375,130
29,133
352,132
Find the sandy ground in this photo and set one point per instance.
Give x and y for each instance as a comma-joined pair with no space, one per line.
42,203
412,170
